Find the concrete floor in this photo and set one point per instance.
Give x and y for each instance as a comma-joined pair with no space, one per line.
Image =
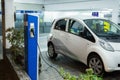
69,65
48,73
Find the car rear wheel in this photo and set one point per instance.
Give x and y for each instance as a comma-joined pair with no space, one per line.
96,64
51,51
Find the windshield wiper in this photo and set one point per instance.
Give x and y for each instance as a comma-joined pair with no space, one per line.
114,35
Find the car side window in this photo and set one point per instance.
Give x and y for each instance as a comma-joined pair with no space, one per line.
61,24
75,27
87,35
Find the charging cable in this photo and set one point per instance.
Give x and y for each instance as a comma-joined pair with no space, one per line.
47,62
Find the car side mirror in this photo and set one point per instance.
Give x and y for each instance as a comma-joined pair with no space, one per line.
81,34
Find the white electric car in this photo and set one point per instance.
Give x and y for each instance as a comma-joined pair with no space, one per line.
95,42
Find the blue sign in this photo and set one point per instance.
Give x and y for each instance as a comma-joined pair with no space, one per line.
31,41
95,14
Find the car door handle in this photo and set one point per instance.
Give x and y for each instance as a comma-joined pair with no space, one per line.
88,44
67,37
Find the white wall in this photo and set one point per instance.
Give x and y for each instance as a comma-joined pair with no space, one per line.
29,1
27,6
87,5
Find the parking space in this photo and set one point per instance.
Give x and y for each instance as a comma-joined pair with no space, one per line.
69,65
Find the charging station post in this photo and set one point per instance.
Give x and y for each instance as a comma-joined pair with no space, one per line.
31,31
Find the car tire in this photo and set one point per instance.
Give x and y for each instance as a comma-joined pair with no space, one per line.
95,62
51,51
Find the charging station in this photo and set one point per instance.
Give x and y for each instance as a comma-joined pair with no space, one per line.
31,32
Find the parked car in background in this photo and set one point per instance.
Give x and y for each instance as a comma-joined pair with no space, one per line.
95,42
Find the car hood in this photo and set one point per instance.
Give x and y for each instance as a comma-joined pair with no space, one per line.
115,45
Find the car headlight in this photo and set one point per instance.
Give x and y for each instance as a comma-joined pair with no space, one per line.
106,45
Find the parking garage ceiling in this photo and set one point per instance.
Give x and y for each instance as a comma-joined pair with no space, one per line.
65,1
51,1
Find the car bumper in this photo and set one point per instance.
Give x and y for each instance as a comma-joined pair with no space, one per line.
111,61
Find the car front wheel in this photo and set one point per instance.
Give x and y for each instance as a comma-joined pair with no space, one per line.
96,64
51,51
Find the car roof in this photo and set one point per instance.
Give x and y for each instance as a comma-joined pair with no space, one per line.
80,18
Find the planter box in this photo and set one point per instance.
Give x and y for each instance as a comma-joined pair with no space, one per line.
20,72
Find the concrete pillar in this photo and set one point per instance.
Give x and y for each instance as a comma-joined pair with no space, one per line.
7,19
115,15
9,13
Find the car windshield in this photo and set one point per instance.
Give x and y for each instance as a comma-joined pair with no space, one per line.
103,28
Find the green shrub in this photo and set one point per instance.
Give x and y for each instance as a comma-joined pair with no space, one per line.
16,39
88,76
